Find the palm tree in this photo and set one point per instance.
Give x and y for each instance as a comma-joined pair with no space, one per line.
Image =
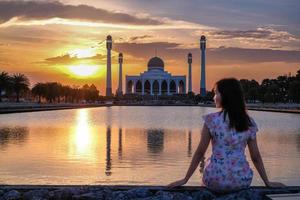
5,81
66,92
20,83
39,90
52,91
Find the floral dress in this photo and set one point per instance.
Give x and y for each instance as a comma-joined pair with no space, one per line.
228,168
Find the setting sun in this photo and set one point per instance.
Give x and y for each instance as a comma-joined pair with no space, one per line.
83,70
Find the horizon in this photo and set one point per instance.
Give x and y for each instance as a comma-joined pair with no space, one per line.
66,43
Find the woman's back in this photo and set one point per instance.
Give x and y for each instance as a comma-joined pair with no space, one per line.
228,168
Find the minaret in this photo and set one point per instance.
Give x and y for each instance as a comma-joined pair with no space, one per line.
120,92
190,72
202,81
108,68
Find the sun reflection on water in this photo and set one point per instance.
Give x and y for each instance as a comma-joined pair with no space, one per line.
83,141
83,131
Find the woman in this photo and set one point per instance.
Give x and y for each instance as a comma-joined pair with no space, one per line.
230,130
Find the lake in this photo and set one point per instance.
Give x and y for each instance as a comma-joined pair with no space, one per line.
130,145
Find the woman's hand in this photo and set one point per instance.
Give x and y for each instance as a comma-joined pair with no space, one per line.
275,184
176,183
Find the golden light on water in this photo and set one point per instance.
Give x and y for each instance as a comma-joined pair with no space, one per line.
83,141
83,132
86,141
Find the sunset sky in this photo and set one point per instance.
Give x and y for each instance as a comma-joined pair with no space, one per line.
64,41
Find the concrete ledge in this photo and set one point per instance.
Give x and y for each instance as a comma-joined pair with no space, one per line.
135,192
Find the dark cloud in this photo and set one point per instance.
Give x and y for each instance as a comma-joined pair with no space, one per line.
266,33
215,56
231,14
241,55
64,59
132,39
46,10
257,34
144,49
68,59
172,52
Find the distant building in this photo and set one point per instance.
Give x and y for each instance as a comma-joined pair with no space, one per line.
120,90
190,59
203,76
108,66
156,81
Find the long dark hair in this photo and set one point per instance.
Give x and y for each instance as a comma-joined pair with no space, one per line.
233,103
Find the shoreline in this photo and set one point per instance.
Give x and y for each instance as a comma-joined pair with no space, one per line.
22,109
139,192
35,107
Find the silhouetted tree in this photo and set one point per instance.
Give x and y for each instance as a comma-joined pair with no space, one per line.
20,83
52,91
39,90
250,89
5,83
294,91
66,93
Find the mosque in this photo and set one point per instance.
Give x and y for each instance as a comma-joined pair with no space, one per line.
155,81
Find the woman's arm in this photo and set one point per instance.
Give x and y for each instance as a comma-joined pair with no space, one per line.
258,163
198,155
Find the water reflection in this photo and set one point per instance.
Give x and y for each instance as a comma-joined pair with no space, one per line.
83,138
190,144
120,144
14,135
155,141
125,145
108,152
298,142
83,133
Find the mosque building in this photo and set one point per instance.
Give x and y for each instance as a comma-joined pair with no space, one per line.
156,81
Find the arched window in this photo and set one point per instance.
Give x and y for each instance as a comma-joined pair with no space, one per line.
155,87
147,87
138,86
164,87
172,87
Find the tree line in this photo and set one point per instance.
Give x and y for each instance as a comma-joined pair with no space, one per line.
17,85
56,92
284,88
